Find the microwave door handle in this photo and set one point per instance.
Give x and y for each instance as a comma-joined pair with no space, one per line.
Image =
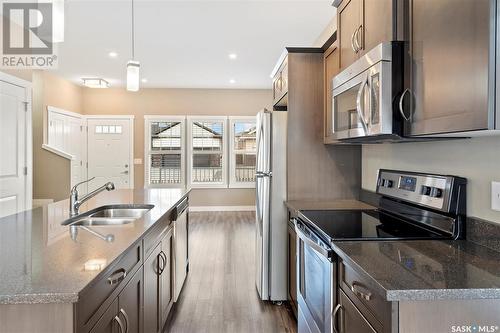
361,114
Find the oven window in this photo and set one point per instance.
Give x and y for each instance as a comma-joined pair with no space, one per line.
317,281
375,99
344,109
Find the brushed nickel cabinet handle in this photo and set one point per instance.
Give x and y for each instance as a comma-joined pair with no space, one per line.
126,320
161,263
120,324
352,42
367,295
334,317
117,276
405,117
358,43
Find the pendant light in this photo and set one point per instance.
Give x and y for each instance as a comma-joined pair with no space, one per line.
133,66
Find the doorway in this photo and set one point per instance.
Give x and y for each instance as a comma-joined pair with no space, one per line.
110,151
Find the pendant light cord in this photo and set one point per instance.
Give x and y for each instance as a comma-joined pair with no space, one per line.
133,32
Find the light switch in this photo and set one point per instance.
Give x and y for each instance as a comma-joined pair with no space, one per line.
137,161
495,196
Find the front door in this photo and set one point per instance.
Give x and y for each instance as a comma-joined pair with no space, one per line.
13,149
110,151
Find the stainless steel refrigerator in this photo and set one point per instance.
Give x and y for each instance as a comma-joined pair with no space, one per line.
271,214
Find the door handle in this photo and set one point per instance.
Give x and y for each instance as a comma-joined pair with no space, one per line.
126,319
120,324
334,318
403,114
124,172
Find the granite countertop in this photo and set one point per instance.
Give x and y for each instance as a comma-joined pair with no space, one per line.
41,263
425,270
296,205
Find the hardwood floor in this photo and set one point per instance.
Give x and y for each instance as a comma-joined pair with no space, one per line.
219,294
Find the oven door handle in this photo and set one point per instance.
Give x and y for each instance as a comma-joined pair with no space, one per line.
325,253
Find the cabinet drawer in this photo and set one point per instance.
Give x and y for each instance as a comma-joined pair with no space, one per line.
352,320
94,299
372,304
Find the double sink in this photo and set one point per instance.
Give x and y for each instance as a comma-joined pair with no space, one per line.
109,215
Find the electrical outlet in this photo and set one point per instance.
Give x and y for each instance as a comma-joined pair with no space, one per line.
495,196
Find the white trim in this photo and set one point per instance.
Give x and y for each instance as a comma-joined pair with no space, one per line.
16,81
232,154
27,86
130,118
91,116
190,120
222,208
64,112
58,151
148,119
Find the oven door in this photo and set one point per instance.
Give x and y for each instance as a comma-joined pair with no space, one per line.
362,106
315,285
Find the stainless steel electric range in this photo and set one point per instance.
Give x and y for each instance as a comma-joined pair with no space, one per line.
411,206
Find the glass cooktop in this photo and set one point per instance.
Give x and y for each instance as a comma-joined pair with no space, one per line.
335,225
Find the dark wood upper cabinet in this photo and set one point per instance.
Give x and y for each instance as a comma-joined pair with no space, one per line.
331,68
362,25
450,82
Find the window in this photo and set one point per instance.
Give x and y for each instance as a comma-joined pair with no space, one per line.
207,151
243,144
164,153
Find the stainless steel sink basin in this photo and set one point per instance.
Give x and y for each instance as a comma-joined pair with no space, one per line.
109,215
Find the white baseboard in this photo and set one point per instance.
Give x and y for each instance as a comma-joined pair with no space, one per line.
221,208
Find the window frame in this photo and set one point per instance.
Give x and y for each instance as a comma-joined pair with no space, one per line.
148,119
232,151
190,152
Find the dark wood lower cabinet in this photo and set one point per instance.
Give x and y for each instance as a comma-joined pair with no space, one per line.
166,277
124,315
152,291
351,320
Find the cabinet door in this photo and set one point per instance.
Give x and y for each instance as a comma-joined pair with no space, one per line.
109,322
166,280
348,22
351,319
377,21
332,68
292,267
449,54
152,291
130,304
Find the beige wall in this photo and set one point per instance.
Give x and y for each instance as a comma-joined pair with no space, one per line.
476,159
227,102
51,172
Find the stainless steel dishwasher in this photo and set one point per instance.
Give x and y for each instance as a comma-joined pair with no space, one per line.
181,227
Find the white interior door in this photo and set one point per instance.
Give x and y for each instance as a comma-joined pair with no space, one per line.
13,149
110,152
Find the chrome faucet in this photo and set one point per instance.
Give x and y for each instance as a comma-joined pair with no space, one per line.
75,202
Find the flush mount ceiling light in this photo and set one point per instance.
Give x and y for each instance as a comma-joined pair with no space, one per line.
232,56
95,83
144,80
133,66
113,54
232,81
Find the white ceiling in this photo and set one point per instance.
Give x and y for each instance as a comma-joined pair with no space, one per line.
185,44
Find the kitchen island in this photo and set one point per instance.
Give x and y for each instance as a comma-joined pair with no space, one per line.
49,275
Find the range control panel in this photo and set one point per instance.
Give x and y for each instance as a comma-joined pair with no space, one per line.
434,191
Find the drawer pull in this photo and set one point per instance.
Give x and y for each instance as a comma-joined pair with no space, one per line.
120,324
117,276
364,295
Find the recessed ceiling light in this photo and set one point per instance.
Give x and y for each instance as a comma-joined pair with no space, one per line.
95,83
232,81
112,54
232,56
144,80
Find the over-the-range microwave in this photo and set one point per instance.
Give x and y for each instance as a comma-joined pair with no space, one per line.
366,96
